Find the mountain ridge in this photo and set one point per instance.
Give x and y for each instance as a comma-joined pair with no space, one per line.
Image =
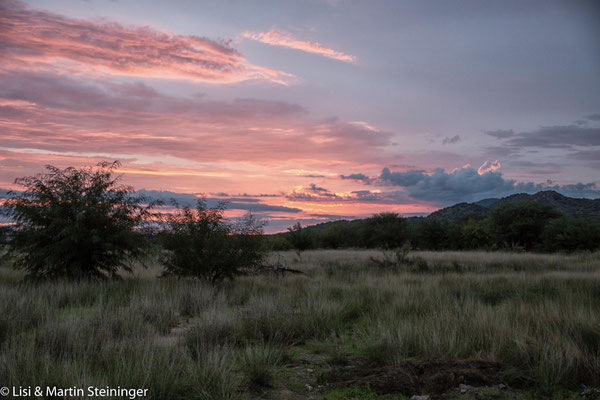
570,206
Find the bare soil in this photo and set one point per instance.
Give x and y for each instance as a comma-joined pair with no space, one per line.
418,377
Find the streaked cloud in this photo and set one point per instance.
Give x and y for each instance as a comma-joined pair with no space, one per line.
34,39
501,133
489,166
281,38
554,136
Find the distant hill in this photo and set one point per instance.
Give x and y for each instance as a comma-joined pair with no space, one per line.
573,207
460,211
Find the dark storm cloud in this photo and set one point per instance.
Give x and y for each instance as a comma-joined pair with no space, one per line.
466,184
408,178
452,140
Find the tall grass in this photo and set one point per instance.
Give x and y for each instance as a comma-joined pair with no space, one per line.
537,315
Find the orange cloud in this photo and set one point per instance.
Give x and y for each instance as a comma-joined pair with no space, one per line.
35,39
284,39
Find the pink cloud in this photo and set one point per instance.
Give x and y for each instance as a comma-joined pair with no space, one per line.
54,113
35,39
489,166
284,39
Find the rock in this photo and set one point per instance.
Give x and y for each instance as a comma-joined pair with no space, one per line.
422,397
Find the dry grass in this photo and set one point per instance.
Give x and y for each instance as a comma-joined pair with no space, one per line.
536,315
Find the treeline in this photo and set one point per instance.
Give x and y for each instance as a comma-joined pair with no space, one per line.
528,225
83,224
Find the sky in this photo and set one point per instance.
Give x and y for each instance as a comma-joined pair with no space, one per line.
310,110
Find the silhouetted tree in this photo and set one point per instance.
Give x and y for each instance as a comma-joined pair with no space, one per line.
202,244
336,235
384,230
432,233
76,223
475,234
571,234
521,223
299,237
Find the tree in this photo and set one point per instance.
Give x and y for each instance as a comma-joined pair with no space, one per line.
76,223
434,234
521,223
385,230
4,235
299,237
202,244
571,234
474,234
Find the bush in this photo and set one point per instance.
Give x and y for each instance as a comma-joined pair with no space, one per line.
258,363
434,234
202,244
571,234
521,223
385,231
76,224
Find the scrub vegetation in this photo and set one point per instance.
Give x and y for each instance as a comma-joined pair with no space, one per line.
206,312
515,325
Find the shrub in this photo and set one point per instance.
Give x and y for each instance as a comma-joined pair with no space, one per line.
202,244
474,234
521,223
76,223
258,363
571,234
434,233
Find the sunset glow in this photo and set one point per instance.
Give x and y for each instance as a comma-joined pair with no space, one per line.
312,112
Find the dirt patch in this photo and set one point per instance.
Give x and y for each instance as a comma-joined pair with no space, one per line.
417,377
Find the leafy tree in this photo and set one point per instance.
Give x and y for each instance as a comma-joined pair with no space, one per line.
385,230
432,233
202,244
299,237
475,234
337,234
76,223
571,234
521,223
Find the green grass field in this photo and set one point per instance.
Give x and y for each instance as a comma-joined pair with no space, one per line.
507,325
